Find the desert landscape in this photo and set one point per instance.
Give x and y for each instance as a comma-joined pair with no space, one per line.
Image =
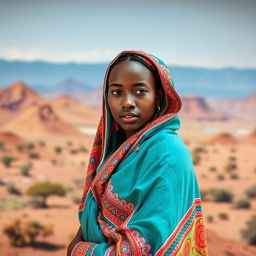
48,140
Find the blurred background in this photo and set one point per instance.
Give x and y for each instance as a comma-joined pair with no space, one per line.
53,56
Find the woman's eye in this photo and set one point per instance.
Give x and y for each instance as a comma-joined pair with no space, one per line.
141,91
116,92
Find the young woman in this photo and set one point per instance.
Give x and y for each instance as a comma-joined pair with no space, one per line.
141,195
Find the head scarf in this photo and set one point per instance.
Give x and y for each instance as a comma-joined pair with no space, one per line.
105,157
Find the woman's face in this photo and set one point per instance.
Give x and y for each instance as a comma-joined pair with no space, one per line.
131,95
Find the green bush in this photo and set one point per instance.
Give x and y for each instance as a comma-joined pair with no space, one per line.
220,176
198,150
249,233
75,197
22,232
11,189
58,149
70,143
221,195
251,191
83,149
25,169
73,151
234,176
30,146
242,204
209,218
232,158
11,204
212,169
33,155
20,147
230,167
44,190
223,216
7,160
196,159
1,145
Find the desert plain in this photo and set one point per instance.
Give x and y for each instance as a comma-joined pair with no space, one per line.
54,137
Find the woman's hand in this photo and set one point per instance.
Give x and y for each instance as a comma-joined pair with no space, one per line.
78,237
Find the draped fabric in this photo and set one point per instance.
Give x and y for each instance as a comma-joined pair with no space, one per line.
141,195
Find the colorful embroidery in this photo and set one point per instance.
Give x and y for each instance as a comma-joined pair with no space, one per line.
83,249
114,209
189,236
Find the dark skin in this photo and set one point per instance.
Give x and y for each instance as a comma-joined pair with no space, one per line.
132,97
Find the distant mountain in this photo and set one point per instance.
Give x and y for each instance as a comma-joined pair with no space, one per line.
244,107
19,96
67,86
213,83
196,108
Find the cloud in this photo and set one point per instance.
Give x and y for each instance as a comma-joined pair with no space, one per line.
92,55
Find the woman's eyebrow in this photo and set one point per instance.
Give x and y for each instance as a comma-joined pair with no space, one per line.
141,83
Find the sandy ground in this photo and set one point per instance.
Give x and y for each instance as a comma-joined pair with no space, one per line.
62,212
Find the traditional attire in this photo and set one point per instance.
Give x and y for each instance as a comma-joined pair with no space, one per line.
141,195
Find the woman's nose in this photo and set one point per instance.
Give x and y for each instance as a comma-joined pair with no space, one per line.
128,102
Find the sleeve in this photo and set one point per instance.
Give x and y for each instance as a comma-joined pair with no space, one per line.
167,218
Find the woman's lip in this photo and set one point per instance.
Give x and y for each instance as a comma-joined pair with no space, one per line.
129,119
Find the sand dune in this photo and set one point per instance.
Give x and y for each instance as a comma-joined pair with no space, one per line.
11,138
41,121
73,112
222,138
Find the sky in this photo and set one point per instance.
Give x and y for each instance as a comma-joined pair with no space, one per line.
200,33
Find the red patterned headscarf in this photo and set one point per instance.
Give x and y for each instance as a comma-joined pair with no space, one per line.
100,164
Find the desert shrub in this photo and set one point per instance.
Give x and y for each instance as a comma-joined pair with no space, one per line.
33,155
75,197
30,146
212,169
232,158
196,159
203,176
7,160
58,149
11,189
35,203
223,216
204,194
45,189
221,195
1,145
73,151
220,176
209,218
20,147
234,176
230,167
241,204
251,191
22,232
54,161
25,169
11,204
249,233
198,150
83,149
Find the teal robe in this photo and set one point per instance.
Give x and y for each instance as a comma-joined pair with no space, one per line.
142,197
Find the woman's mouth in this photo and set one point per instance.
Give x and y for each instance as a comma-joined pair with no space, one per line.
129,118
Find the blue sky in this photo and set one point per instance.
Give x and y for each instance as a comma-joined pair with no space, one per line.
200,33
